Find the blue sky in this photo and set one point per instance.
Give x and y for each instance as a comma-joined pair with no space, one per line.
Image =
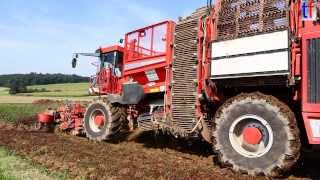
41,35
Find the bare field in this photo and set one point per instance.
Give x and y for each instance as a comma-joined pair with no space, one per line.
83,159
144,158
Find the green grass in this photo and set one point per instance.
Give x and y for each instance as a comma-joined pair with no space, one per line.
12,112
4,91
69,91
60,90
4,176
13,167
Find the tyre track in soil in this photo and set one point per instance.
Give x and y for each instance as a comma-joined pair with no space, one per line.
142,159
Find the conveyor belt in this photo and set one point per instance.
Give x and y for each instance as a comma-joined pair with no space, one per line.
184,73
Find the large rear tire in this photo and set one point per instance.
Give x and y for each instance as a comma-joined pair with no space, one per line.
104,121
256,134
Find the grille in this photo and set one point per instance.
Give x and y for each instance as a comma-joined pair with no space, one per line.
314,70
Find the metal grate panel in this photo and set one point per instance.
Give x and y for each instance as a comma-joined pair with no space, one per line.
314,70
184,73
239,18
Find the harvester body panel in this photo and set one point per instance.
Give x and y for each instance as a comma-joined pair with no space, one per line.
260,55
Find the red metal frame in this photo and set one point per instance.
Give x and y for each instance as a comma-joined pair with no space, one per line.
306,118
308,30
143,58
147,67
168,68
303,30
70,117
153,53
136,57
111,49
206,34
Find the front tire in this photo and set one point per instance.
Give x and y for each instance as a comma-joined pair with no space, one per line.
104,121
256,134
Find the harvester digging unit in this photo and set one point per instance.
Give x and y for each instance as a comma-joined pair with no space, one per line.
243,75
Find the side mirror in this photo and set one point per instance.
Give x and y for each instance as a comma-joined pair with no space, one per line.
74,62
121,41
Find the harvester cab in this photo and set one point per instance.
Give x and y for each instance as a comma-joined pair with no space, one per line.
109,69
111,58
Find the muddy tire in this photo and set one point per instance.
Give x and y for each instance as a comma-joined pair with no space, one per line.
256,134
104,121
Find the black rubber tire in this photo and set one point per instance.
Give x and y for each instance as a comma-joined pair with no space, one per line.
285,149
116,120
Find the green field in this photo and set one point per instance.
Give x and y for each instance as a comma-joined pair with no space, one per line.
14,112
69,91
4,91
60,90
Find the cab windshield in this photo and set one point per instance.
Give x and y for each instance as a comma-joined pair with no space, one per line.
112,60
107,60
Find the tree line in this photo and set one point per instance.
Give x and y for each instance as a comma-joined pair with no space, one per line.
18,82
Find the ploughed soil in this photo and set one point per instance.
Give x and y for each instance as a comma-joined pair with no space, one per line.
146,157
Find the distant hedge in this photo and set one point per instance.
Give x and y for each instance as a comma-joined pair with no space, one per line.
18,82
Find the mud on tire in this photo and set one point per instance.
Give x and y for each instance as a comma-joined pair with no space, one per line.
284,149
115,120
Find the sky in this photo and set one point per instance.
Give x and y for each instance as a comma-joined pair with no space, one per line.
41,35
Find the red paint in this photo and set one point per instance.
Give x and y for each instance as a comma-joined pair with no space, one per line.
306,118
71,117
252,135
299,53
146,44
307,107
205,38
45,118
142,45
111,49
99,120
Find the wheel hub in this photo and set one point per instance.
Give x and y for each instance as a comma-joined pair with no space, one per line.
99,120
252,135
